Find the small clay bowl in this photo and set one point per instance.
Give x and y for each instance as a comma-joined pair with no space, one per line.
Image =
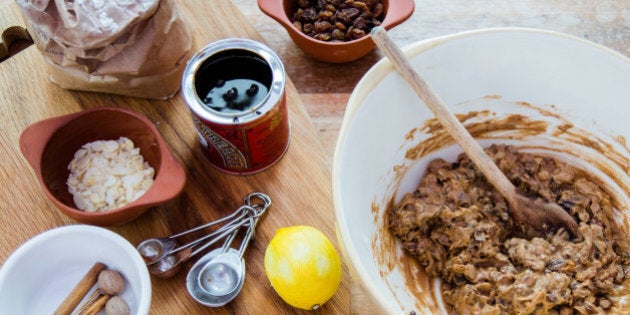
396,11
49,146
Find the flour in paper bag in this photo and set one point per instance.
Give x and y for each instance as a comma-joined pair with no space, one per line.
135,48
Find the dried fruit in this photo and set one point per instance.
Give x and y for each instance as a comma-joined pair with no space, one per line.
336,20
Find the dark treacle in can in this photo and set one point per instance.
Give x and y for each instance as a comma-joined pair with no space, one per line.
235,89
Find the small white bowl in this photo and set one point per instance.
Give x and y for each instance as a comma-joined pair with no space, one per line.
39,275
533,73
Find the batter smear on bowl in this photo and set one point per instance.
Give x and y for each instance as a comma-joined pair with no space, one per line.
458,227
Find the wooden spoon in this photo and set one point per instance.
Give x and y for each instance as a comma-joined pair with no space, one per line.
533,217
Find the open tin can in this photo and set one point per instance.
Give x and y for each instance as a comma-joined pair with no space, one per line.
235,89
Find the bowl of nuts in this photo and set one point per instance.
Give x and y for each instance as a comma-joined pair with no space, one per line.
336,31
102,166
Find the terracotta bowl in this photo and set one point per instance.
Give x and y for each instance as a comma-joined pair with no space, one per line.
49,146
396,11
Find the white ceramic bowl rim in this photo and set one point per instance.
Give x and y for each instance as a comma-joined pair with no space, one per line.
368,82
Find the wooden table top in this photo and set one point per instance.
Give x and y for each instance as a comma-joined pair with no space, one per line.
323,90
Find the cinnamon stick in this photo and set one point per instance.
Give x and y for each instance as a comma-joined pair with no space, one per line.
97,305
80,290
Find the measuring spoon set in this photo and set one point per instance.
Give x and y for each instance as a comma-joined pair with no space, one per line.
218,276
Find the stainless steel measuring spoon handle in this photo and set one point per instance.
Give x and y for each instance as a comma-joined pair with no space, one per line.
257,210
229,240
227,226
233,228
168,265
251,227
248,236
243,211
254,213
169,246
248,212
234,216
249,200
209,224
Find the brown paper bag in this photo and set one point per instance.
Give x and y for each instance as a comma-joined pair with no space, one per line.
130,47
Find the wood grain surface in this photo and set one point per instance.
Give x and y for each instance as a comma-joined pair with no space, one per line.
322,90
325,88
299,185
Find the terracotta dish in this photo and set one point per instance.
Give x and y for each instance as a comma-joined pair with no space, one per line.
335,52
49,146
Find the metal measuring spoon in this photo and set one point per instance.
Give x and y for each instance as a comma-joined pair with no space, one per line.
169,265
155,249
163,256
223,274
218,277
214,294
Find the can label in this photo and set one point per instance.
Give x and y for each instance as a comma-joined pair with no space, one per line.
246,148
230,155
235,89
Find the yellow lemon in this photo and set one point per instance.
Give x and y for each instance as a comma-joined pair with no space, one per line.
303,266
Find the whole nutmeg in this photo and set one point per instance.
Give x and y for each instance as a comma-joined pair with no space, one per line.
116,306
111,282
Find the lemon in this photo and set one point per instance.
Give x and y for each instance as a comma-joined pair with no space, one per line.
302,266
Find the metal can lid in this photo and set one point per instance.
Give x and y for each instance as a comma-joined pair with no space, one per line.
214,61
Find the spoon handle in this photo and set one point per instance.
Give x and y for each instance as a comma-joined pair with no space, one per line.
248,236
222,229
228,231
247,202
448,120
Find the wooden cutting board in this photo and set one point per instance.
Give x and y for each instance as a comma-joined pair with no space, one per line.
299,185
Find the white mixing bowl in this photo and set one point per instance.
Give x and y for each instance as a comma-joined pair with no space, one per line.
550,79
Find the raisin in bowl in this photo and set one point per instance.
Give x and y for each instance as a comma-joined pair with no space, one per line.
336,31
